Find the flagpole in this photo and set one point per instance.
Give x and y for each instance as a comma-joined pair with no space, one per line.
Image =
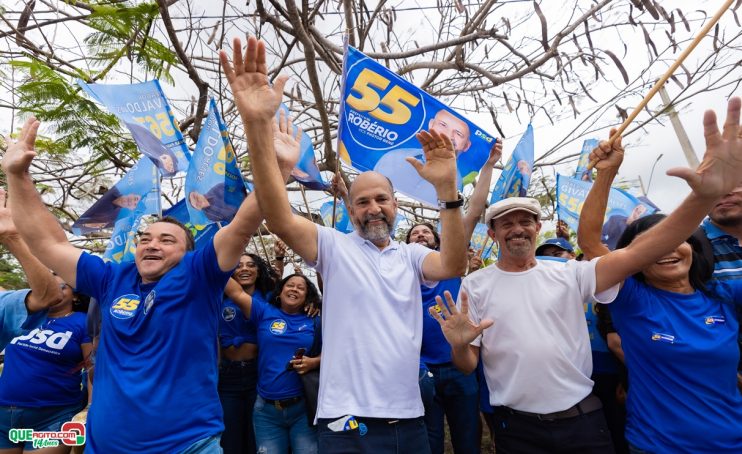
262,243
661,82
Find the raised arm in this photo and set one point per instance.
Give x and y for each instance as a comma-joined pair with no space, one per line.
593,211
440,171
478,199
257,101
38,227
719,172
45,291
241,298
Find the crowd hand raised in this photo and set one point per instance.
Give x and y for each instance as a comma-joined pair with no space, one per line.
456,325
279,249
7,227
21,152
721,168
495,153
255,98
338,188
608,155
439,168
475,263
286,143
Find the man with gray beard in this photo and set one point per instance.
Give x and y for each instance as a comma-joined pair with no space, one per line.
369,399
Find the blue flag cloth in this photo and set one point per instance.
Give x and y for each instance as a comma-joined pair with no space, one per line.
145,112
342,218
201,232
623,208
214,186
306,171
516,176
380,113
136,194
479,239
582,172
122,246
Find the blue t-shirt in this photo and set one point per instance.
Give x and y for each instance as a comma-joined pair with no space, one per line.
14,317
156,368
603,360
234,328
279,335
435,349
681,354
43,367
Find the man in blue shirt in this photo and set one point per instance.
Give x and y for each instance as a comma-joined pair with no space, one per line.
156,370
23,309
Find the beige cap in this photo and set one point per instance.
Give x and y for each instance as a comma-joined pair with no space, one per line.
505,206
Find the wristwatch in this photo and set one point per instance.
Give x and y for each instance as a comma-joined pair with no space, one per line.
458,203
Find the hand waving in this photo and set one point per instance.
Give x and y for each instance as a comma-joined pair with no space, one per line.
20,153
440,159
456,325
286,143
255,98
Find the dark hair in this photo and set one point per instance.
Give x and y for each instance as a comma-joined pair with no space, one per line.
312,299
190,240
702,266
264,283
428,225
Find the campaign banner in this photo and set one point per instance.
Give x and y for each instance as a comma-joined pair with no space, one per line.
516,175
202,233
622,209
306,171
143,109
582,172
136,194
342,218
122,245
380,113
480,241
214,186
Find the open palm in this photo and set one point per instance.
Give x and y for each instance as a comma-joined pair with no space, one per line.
456,325
286,143
440,158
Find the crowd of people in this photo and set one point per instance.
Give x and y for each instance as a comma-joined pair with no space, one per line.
211,349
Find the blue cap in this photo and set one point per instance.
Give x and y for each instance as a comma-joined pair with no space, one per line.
558,242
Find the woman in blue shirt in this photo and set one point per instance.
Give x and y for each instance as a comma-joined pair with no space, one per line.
679,336
285,333
41,383
238,369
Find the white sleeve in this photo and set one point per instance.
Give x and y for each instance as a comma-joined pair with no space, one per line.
588,280
418,253
325,242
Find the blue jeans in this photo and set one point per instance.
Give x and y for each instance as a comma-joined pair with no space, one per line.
455,397
276,430
237,392
208,445
39,419
375,436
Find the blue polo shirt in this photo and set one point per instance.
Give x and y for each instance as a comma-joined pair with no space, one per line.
156,369
234,328
435,349
279,335
681,354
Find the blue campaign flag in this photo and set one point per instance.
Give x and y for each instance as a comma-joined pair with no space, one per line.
201,232
623,208
582,172
342,218
516,176
122,246
146,113
136,194
306,171
214,186
380,113
479,239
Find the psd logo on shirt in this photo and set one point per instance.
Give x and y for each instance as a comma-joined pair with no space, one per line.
125,306
278,326
228,314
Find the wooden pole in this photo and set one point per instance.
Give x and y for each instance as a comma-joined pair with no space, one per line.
690,154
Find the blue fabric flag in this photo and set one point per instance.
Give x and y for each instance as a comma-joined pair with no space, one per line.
136,194
306,171
582,172
122,246
380,113
214,186
342,218
201,232
145,112
623,208
479,239
516,176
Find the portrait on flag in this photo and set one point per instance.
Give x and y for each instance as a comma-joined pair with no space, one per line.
516,175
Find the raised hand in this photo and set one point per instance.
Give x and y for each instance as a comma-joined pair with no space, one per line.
255,98
20,153
338,187
607,155
721,168
456,325
285,142
440,159
7,227
495,153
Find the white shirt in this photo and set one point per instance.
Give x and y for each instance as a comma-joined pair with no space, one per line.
536,356
371,327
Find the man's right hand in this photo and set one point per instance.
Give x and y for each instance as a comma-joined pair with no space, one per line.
456,325
608,155
20,153
255,98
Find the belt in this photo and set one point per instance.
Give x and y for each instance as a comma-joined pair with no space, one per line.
281,404
586,405
230,363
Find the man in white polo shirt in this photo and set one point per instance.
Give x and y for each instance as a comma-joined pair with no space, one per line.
369,399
